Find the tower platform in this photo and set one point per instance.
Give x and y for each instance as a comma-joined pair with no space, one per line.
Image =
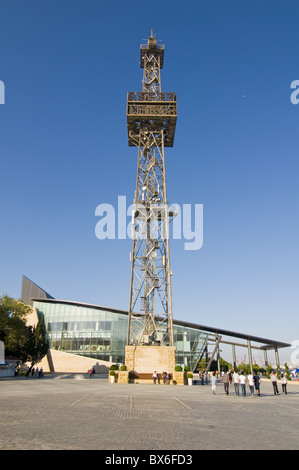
153,111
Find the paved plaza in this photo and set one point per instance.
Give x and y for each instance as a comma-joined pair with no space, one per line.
75,412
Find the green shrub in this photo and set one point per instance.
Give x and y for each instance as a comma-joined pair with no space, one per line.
114,367
112,372
178,369
189,375
186,368
287,372
123,368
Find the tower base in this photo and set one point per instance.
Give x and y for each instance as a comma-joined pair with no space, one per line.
147,359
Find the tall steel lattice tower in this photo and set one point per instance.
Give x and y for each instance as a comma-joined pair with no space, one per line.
151,121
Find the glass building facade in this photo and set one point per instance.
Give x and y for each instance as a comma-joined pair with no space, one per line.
101,333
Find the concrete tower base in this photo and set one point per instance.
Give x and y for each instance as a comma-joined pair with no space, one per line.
147,359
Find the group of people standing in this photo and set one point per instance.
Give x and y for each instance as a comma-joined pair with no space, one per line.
204,377
239,380
34,372
284,382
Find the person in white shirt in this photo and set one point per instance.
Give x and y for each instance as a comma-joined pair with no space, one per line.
284,382
251,383
236,380
242,379
214,383
273,378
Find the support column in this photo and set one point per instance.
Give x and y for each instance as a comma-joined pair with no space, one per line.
266,358
277,360
218,356
215,351
250,356
207,354
234,357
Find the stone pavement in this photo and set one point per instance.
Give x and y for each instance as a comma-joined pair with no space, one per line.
75,412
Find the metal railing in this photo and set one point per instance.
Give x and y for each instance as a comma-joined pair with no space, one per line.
154,110
151,96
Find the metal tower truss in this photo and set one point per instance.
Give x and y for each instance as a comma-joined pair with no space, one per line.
151,118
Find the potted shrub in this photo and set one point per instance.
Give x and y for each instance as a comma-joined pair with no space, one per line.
113,373
190,378
123,368
112,376
178,376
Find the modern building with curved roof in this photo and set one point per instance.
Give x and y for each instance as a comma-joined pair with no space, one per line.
84,335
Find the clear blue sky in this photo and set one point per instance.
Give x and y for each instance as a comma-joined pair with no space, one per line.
67,66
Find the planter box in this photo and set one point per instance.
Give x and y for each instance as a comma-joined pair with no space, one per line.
179,378
123,377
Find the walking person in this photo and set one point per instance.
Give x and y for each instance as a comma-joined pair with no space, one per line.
243,383
284,382
273,378
214,383
257,381
236,381
225,379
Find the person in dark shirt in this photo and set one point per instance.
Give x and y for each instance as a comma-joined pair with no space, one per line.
257,381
